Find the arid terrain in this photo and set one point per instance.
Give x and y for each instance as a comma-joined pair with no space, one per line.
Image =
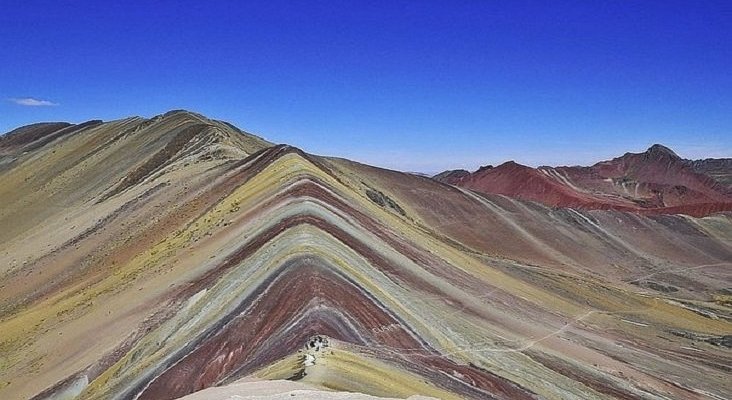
155,258
656,181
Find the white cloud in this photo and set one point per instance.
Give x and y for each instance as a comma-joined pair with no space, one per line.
31,102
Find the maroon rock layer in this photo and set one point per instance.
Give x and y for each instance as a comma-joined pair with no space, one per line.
656,181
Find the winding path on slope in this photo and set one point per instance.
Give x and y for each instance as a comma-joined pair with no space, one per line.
682,269
475,347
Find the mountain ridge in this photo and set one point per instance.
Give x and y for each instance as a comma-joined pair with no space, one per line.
155,259
654,181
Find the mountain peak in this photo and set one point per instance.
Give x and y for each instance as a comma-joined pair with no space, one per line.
661,150
182,112
484,167
511,164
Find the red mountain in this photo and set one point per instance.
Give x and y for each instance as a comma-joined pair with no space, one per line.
655,181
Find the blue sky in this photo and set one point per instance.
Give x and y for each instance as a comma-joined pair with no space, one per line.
415,85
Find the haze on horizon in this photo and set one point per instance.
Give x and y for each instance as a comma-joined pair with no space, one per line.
411,86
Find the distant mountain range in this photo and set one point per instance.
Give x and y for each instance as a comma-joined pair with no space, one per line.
155,258
655,181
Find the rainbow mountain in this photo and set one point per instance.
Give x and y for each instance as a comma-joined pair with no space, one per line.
176,256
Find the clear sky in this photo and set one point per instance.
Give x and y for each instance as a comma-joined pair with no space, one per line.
413,85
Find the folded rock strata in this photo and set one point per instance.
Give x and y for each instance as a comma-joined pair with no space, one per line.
151,259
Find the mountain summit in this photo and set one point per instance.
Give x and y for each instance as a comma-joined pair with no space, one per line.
662,151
